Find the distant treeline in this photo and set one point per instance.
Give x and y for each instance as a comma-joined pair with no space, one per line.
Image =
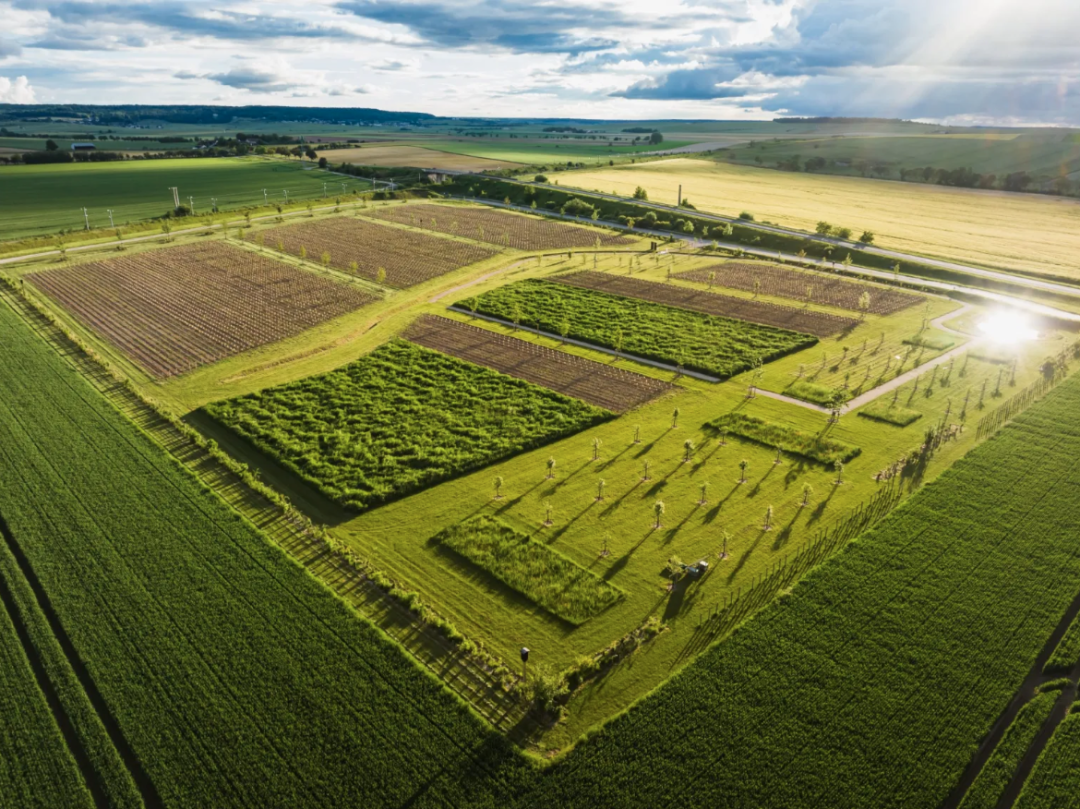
203,114
829,120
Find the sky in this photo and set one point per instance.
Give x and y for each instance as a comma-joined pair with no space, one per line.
954,61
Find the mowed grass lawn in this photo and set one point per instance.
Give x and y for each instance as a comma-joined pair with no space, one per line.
36,200
1022,232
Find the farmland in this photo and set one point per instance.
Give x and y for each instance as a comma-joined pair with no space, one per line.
816,448
1055,781
601,385
174,309
363,248
712,345
231,673
506,229
819,324
543,575
398,420
982,227
38,200
801,285
410,154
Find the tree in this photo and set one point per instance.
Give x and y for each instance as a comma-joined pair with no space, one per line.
540,178
768,519
675,418
864,304
646,475
658,509
867,237
704,493
323,162
743,464
50,146
842,233
641,193
498,487
354,268
656,139
325,258
688,446
823,228
600,489
839,466
596,442
807,491
303,251
380,275
637,434
551,468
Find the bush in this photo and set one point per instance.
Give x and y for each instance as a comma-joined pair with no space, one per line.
818,394
883,410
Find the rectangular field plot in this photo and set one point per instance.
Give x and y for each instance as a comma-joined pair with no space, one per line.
593,382
543,575
819,324
175,309
361,247
799,285
712,345
520,231
398,420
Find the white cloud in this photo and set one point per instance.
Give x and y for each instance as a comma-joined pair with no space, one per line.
16,91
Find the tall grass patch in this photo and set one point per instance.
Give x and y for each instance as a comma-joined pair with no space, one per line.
790,440
885,410
541,574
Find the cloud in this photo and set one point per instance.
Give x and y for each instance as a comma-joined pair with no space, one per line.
16,91
254,79
395,65
9,49
702,85
519,26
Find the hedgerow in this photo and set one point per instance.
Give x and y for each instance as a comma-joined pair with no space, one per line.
790,440
541,574
399,419
713,345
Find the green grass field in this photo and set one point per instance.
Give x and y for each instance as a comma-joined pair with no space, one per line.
548,151
1023,232
37,200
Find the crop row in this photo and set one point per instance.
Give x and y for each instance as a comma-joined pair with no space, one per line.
541,574
174,309
712,345
505,229
394,256
856,689
799,285
400,419
1054,783
596,383
234,676
806,321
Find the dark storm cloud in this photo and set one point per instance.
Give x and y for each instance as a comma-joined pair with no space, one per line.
694,84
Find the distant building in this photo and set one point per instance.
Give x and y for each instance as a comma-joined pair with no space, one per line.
83,147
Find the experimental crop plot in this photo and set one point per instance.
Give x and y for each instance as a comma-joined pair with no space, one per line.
798,285
361,247
506,229
805,321
593,382
176,309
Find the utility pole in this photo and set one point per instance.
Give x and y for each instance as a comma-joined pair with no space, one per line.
266,199
680,197
110,219
191,204
324,190
343,188
213,204
86,218
175,197
286,196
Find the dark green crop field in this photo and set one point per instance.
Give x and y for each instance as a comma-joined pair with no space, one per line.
1055,781
235,678
699,342
400,419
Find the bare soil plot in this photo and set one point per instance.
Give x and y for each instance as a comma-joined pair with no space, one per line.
175,309
520,231
408,257
783,282
602,385
804,321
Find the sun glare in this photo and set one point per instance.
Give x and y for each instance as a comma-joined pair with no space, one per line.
1008,327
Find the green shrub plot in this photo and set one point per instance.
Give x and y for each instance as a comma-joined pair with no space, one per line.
790,440
998,771
1055,781
816,393
234,676
543,575
399,419
706,343
884,410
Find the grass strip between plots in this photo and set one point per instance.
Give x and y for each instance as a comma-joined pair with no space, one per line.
1055,781
543,575
790,440
999,769
817,394
1067,653
400,419
699,342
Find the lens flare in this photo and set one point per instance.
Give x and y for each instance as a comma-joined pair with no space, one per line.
1008,328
